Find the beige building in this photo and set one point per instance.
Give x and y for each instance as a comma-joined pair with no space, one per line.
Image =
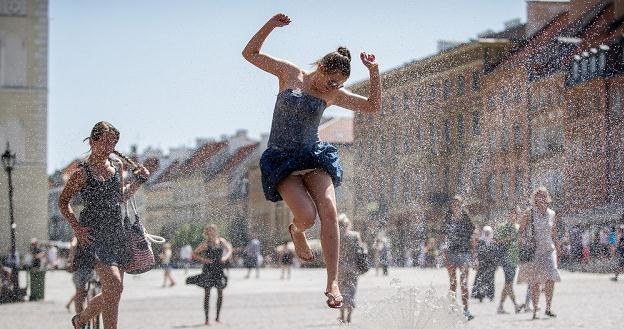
23,117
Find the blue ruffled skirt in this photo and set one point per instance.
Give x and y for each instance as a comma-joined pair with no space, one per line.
277,163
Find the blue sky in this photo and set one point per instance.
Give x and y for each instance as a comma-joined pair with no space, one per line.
167,72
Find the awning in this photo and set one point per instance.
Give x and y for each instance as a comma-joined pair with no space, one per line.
609,214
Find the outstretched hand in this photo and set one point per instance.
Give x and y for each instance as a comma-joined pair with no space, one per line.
368,60
279,20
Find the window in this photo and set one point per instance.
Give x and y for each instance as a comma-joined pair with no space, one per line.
602,62
491,187
517,131
492,142
446,89
584,69
597,102
504,96
13,57
505,185
490,102
593,67
406,141
394,104
476,123
393,189
432,92
461,85
447,134
576,75
475,80
405,102
616,100
505,140
447,179
460,130
432,139
532,103
461,182
518,183
516,94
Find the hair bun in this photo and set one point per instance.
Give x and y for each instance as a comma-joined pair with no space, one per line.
344,52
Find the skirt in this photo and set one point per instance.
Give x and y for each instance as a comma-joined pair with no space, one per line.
278,163
209,280
543,268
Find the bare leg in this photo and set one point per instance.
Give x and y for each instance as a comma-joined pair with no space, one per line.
321,189
535,292
463,282
79,300
71,300
295,194
107,302
452,280
550,288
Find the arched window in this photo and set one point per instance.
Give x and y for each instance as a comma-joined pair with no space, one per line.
12,61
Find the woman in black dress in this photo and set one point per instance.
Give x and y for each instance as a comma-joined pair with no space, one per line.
214,252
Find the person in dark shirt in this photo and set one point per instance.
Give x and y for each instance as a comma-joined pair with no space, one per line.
620,252
457,231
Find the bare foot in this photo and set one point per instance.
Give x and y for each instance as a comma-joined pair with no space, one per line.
207,323
334,298
302,249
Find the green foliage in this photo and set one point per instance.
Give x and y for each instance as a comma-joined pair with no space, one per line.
188,233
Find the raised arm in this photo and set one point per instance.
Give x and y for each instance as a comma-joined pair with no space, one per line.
76,182
227,250
278,67
354,102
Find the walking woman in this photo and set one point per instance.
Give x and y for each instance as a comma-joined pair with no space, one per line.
538,227
165,262
214,252
297,167
457,231
350,243
486,255
101,240
506,240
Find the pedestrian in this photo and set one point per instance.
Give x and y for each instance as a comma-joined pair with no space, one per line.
620,253
82,273
483,286
297,167
348,272
613,241
38,255
538,230
457,231
252,257
186,256
585,241
383,250
100,182
286,260
213,253
507,238
52,258
165,263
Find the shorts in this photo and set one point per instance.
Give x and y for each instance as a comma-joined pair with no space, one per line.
458,259
81,278
510,272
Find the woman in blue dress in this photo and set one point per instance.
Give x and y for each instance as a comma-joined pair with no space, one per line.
297,167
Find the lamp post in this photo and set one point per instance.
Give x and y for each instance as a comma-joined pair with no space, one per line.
8,162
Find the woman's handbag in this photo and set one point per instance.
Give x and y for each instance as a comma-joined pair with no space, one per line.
362,260
527,245
139,244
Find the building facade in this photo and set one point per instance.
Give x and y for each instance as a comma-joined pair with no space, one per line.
23,117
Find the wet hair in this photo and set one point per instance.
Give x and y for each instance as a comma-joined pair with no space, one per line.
540,189
338,61
344,222
104,127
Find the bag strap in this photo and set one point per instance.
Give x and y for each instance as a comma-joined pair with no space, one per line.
151,237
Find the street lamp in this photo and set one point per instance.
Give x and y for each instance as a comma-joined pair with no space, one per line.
8,162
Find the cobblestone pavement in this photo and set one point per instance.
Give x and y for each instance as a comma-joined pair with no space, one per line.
581,301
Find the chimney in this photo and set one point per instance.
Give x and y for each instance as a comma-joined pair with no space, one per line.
618,9
542,12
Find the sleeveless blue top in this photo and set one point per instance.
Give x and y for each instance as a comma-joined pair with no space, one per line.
296,119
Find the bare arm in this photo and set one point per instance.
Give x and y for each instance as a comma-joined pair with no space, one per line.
196,254
278,67
354,102
76,182
227,248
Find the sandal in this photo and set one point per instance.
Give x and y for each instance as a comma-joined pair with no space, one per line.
74,321
333,301
290,228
